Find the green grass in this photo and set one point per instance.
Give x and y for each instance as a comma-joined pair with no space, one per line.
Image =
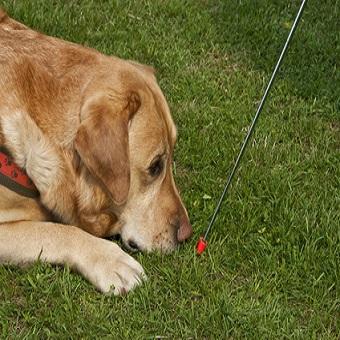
272,268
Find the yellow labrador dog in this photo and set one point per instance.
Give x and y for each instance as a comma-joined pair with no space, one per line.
95,135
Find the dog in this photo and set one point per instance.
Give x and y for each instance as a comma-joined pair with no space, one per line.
95,135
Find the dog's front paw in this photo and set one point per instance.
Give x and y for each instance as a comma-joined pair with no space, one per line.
112,270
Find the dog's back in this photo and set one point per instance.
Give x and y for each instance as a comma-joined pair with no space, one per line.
43,75
8,23
57,54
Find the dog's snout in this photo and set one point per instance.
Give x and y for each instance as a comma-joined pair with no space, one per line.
184,229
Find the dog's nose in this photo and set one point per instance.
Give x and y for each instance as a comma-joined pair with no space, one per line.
184,231
133,245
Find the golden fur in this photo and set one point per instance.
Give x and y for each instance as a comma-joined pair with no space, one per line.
96,136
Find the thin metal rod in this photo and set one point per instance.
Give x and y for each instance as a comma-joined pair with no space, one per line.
252,126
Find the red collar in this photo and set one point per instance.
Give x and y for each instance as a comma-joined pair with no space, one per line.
15,178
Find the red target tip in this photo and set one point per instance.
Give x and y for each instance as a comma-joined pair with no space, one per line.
201,245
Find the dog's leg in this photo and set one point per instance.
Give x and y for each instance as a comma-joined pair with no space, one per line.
102,262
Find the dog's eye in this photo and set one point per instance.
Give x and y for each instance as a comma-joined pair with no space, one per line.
156,167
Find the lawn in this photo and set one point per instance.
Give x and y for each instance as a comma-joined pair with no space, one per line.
272,267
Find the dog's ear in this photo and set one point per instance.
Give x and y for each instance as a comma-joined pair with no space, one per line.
103,145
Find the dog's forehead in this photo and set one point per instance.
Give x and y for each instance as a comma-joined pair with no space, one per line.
167,124
162,109
152,132
154,108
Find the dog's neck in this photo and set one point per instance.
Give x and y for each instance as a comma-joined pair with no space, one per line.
15,178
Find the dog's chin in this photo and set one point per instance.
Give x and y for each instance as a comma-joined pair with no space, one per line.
137,239
137,243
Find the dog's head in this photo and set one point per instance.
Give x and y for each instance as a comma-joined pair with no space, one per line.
126,141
